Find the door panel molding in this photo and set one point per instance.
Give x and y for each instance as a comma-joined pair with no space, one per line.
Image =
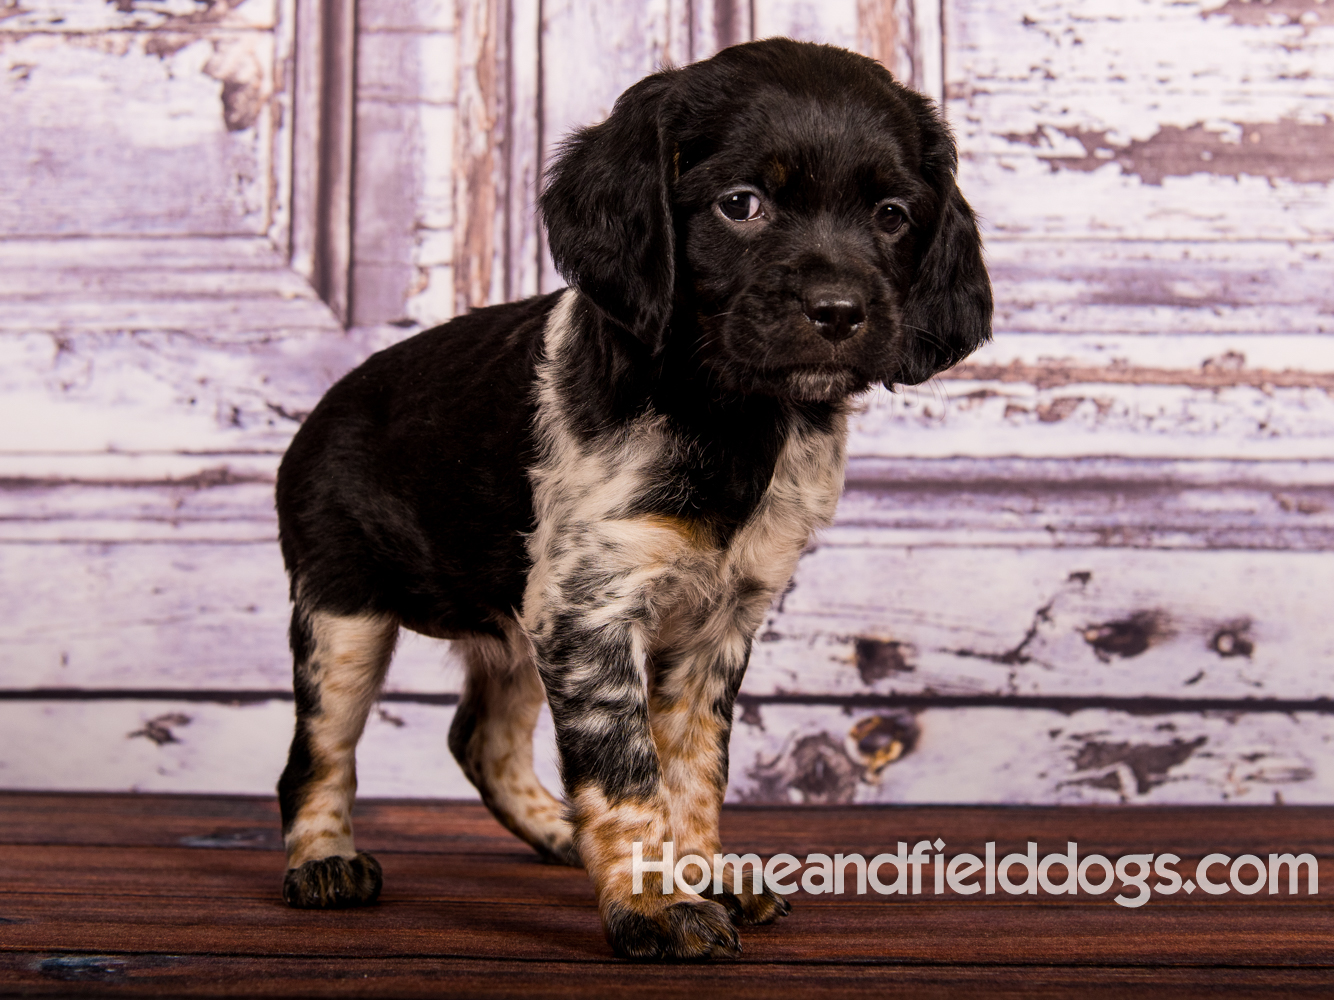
322,148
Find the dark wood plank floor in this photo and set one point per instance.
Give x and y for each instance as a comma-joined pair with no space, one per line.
178,895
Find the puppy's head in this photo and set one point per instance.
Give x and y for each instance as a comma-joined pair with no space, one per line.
788,211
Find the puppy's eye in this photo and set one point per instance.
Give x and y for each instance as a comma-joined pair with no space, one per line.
889,217
741,206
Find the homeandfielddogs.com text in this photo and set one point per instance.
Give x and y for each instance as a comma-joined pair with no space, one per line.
902,873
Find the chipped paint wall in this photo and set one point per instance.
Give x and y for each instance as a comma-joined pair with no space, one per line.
407,77
1089,565
1093,558
104,103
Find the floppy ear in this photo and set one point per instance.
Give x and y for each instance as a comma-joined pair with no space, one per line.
947,312
608,213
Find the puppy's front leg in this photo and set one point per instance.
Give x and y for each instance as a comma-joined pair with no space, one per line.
590,623
694,691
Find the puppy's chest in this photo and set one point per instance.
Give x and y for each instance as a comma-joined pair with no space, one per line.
626,510
801,496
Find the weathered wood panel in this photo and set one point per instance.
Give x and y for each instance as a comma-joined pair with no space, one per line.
1112,623
26,470
58,390
904,535
834,22
1004,419
407,15
408,79
217,303
1101,286
1102,503
524,238
239,748
132,119
905,35
179,746
716,24
1158,120
780,753
407,82
823,754
1086,502
632,40
480,174
196,615
162,344
1122,504
94,17
925,585
406,64
1245,395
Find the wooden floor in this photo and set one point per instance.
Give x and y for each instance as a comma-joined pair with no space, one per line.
178,895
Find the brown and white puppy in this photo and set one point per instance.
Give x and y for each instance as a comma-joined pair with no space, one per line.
597,493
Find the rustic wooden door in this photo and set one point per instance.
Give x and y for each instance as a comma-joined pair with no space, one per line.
174,272
1089,565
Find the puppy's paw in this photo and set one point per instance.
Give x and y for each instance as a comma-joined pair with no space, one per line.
696,928
751,908
333,883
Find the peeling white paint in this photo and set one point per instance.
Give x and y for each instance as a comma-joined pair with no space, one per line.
133,370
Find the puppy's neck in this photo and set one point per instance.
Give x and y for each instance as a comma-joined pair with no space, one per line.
680,447
608,378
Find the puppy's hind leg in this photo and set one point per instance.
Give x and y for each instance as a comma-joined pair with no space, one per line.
340,663
492,739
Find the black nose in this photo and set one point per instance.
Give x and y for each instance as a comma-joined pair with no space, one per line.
836,312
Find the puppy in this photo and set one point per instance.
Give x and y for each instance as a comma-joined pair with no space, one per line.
597,493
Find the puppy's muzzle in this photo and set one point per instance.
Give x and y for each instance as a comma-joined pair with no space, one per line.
837,312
